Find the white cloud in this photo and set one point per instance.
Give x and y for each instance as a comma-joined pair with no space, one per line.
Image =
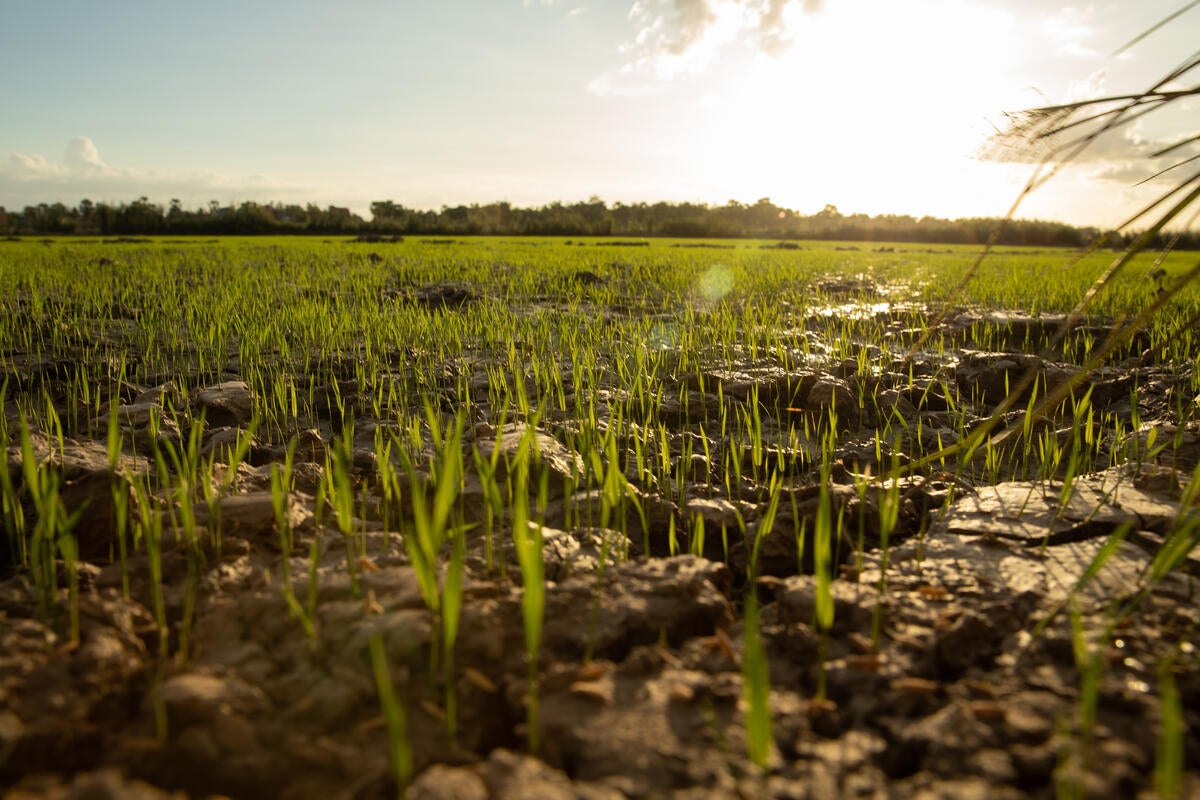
82,156
1069,31
676,38
693,19
29,167
1088,89
771,29
27,178
82,159
624,82
692,31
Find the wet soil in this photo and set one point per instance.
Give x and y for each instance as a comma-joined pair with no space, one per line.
969,659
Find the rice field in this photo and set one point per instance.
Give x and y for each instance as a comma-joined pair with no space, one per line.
303,518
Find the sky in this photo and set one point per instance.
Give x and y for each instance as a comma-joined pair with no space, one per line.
874,106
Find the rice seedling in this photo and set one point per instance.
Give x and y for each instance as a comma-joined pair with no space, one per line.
399,748
889,513
756,682
51,534
10,501
756,678
432,529
1169,757
527,540
339,490
281,480
1075,750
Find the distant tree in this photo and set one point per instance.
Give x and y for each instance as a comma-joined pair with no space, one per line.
388,216
87,214
592,217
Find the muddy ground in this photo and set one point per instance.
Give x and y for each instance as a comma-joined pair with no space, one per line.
942,685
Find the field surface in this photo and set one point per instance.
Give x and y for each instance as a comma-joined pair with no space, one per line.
486,518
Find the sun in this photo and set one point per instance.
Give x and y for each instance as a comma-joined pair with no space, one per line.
863,116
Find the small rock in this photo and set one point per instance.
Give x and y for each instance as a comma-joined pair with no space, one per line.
442,782
565,466
511,776
104,784
636,604
87,483
135,415
104,650
991,377
252,516
718,511
164,394
200,697
228,403
831,393
221,443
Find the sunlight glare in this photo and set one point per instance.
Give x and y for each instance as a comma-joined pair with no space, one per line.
863,104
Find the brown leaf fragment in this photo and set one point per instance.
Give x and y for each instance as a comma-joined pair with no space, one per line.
370,724
719,641
987,709
910,684
370,604
681,693
599,692
593,671
978,688
433,709
862,644
867,662
480,681
819,707
769,581
933,592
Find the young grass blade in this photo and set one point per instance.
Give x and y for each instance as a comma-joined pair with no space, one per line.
527,538
399,748
756,684
1169,758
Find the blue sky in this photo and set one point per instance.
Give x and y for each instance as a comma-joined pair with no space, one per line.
875,106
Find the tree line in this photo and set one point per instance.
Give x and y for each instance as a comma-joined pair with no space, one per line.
593,217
